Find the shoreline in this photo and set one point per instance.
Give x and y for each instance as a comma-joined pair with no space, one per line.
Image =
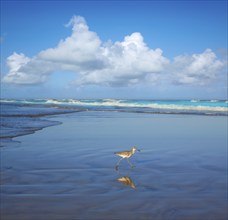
63,111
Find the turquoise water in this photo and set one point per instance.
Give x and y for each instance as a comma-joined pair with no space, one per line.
215,107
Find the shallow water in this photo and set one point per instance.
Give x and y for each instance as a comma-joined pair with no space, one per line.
68,171
17,120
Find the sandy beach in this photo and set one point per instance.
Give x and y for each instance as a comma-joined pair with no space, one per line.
68,171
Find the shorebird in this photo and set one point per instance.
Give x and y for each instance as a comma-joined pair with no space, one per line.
126,154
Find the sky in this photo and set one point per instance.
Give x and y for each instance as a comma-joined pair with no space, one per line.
114,49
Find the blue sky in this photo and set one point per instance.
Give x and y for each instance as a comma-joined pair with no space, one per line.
114,49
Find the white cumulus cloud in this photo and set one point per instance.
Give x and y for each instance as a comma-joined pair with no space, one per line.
197,69
24,70
81,51
121,63
127,62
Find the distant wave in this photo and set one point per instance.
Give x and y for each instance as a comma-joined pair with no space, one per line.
130,104
195,100
173,105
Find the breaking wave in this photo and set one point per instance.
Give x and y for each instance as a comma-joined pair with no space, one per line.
155,106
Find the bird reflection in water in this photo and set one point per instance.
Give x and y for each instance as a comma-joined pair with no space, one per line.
127,181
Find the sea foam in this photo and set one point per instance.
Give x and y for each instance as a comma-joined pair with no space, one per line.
175,106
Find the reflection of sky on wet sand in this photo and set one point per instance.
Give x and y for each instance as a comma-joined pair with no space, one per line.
68,171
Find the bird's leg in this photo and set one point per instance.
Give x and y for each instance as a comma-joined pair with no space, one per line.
130,163
118,163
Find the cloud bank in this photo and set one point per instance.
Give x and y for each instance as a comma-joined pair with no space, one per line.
121,63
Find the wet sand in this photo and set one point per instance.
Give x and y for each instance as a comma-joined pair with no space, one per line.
68,171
